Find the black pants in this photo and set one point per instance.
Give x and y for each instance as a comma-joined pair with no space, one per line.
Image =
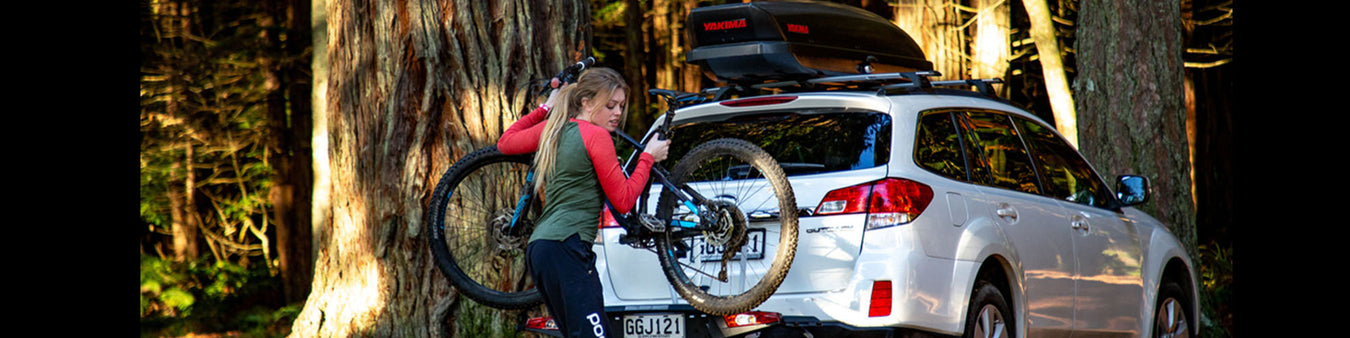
564,272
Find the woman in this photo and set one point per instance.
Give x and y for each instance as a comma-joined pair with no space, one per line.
576,170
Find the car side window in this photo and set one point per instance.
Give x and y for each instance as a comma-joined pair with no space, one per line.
975,161
1009,165
1066,174
937,146
944,145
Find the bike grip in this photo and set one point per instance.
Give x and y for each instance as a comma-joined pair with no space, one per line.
568,75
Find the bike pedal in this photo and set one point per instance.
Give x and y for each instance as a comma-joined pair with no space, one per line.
651,223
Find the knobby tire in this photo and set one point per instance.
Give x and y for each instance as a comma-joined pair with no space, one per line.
701,289
472,199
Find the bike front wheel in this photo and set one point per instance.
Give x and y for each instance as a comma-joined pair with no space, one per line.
469,228
747,230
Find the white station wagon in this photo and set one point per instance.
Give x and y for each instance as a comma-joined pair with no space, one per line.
938,211
924,208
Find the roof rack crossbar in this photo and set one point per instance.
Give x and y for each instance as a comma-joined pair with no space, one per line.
886,83
981,85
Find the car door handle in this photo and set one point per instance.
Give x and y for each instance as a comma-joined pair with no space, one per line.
1078,222
1007,212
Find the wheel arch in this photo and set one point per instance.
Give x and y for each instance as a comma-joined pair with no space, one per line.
1167,260
1179,271
984,243
997,270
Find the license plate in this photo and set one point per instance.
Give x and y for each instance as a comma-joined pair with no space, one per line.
664,325
753,248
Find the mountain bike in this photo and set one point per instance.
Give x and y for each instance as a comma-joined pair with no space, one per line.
724,226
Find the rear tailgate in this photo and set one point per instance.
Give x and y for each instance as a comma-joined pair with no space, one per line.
826,250
824,142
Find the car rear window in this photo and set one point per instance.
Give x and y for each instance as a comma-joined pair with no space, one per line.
802,141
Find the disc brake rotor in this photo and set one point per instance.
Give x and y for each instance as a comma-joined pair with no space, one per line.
502,239
727,230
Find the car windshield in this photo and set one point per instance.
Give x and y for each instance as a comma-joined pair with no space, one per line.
802,141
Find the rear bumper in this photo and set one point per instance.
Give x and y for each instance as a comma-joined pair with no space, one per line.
698,324
925,296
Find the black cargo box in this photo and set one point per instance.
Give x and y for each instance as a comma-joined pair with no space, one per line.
793,40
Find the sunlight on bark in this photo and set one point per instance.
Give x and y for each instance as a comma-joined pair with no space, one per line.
1052,64
991,47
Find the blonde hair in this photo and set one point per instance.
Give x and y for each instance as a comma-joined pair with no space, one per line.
594,82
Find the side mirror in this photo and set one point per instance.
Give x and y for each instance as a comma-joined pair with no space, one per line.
1131,190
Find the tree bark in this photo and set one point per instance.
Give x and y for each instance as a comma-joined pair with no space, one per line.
1052,67
411,87
1130,94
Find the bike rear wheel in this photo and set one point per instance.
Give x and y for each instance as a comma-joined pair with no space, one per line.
467,226
751,212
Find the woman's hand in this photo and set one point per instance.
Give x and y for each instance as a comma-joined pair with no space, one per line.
658,148
552,95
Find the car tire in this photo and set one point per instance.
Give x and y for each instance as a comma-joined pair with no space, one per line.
989,314
1171,312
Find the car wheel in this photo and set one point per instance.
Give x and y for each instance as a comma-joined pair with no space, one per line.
1171,312
988,315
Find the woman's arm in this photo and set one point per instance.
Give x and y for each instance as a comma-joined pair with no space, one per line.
621,191
523,136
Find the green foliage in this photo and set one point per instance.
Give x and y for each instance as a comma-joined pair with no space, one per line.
198,296
203,123
1216,289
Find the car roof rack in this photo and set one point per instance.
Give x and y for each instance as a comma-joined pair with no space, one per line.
912,82
883,83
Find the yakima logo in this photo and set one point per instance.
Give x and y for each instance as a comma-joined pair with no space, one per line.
800,29
720,25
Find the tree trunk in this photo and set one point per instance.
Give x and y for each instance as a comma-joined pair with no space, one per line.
411,87
1052,67
287,104
1129,91
299,269
181,192
183,207
639,111
990,47
935,25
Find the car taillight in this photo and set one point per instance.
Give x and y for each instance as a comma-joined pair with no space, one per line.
751,318
541,323
758,101
888,202
607,219
880,305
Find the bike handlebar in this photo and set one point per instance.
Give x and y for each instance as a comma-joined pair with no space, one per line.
569,74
